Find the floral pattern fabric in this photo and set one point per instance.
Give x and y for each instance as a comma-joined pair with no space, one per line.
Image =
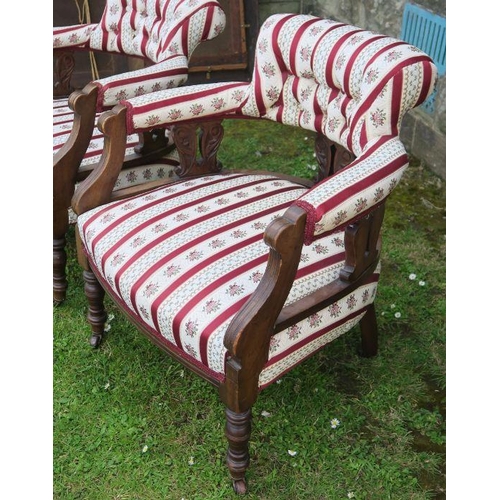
153,252
160,169
164,32
352,85
76,36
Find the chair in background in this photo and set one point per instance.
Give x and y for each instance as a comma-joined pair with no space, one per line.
161,34
238,275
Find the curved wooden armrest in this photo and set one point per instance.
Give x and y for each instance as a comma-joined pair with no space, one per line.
97,188
64,67
362,252
248,336
68,158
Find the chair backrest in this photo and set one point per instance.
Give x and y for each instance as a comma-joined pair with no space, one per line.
349,84
156,29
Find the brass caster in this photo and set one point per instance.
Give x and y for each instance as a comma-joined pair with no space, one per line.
95,340
240,486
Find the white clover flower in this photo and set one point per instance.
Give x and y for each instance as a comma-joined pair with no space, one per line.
181,373
106,385
350,494
111,317
107,327
421,283
145,448
412,276
278,381
393,306
191,461
292,453
397,315
334,422
265,414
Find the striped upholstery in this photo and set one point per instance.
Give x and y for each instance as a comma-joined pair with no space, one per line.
76,36
351,85
164,32
182,260
155,250
160,169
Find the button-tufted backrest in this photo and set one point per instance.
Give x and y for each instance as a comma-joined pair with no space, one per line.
157,29
350,84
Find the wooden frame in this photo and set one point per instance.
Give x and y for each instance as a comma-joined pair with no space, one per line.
249,334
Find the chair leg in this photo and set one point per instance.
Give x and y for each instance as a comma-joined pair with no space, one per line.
238,429
59,281
96,314
369,333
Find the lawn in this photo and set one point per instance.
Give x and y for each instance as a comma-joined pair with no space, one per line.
131,423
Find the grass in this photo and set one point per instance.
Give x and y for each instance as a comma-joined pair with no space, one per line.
130,423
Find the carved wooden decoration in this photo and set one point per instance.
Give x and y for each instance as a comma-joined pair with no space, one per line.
188,142
64,66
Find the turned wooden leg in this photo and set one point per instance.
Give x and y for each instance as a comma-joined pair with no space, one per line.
59,281
369,333
96,314
238,428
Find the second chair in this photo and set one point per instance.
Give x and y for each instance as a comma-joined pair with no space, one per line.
162,34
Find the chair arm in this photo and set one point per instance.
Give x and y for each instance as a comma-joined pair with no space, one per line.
97,188
354,191
160,76
76,36
184,104
249,334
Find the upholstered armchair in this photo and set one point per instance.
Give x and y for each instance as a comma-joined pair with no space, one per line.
238,275
161,33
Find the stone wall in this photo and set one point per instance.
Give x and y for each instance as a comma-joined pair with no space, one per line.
424,135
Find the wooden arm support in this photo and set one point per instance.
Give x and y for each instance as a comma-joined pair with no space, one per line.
249,334
188,142
67,160
64,67
97,188
362,252
248,337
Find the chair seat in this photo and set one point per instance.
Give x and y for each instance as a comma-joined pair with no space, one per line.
159,169
184,258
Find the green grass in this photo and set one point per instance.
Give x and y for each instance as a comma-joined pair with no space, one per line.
128,419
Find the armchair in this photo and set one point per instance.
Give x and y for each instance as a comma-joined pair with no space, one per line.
163,34
238,275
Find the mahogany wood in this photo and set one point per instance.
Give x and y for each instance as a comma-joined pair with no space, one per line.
238,429
96,314
64,173
64,67
248,336
369,332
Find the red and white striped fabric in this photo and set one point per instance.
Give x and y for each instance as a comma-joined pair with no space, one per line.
184,258
353,86
349,84
164,32
72,37
163,168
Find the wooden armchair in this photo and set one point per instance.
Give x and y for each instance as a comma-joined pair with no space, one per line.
238,275
161,34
